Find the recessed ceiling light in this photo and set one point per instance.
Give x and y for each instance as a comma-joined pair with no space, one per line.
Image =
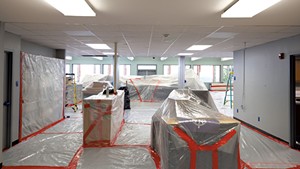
98,46
185,54
198,47
195,58
163,58
248,8
69,58
130,58
72,7
99,58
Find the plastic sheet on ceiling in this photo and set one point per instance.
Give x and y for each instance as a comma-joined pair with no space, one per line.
260,152
116,158
69,125
44,150
42,92
134,134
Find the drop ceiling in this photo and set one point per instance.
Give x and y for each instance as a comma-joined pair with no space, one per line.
143,28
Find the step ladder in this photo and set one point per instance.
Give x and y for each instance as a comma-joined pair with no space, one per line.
229,90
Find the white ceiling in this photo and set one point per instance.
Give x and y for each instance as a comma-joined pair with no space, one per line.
140,26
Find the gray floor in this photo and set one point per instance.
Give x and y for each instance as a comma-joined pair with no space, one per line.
58,145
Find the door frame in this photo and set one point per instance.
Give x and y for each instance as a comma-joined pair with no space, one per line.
293,120
8,100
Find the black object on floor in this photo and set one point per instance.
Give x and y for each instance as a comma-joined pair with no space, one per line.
126,97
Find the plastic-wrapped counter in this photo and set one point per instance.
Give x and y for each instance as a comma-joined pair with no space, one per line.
188,133
102,119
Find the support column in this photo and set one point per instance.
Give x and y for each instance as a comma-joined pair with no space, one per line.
116,70
1,84
181,72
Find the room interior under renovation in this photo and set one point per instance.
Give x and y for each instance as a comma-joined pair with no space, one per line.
89,84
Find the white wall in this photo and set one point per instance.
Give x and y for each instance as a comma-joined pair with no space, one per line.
267,85
12,43
37,49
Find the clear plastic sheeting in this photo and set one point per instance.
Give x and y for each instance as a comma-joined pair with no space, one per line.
219,101
257,151
188,133
71,97
44,150
156,88
102,118
116,158
69,125
134,134
141,112
88,79
42,92
95,88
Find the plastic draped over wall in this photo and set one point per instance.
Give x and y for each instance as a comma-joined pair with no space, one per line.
42,92
102,119
156,88
188,133
88,79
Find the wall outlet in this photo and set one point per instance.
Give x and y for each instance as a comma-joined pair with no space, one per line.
234,77
258,118
237,110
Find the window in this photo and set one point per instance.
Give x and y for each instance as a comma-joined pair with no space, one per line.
173,69
208,73
81,70
145,70
67,68
124,70
226,70
108,69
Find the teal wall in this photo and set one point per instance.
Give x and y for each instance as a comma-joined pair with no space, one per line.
148,60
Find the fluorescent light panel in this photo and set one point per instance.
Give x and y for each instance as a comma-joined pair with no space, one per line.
185,54
227,58
248,8
72,7
109,53
198,47
98,46
195,58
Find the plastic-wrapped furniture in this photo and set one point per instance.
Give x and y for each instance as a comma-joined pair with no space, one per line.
188,133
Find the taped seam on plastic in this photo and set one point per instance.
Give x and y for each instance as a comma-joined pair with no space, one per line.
21,95
194,147
155,157
295,166
245,165
33,167
137,91
118,133
73,163
146,124
91,127
155,89
42,130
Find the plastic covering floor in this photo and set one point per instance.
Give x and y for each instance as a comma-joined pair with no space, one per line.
60,147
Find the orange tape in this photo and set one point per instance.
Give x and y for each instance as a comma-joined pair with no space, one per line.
21,95
118,133
155,157
42,130
33,167
137,91
194,147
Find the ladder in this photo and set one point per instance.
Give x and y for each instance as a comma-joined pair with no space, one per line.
229,91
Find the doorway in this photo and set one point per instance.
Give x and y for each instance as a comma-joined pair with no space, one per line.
7,98
295,101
